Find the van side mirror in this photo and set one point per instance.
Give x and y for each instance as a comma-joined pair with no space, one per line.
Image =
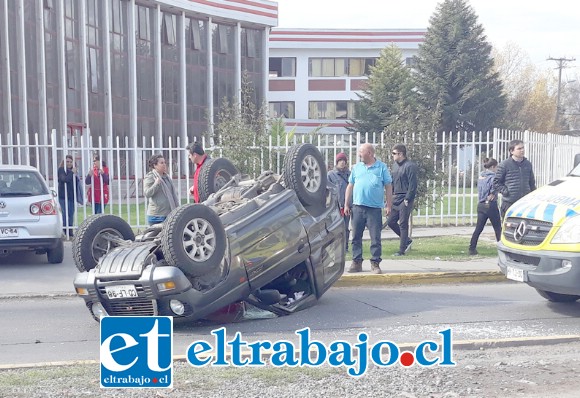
576,159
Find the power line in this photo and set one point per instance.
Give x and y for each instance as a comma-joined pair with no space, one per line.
561,65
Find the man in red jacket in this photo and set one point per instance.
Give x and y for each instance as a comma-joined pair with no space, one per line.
197,156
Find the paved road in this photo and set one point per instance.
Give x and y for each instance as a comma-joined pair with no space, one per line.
60,329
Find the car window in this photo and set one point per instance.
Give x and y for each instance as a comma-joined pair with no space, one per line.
21,183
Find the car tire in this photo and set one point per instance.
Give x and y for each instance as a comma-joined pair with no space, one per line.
557,297
305,173
90,243
214,174
193,239
56,254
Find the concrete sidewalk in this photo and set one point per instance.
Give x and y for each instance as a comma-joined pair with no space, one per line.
403,271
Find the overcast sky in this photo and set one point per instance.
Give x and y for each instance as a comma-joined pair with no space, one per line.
542,29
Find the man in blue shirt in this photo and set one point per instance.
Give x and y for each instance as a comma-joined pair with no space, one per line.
368,183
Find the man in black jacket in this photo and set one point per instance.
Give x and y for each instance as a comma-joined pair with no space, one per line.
404,174
514,177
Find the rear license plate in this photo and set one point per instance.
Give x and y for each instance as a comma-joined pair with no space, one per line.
8,232
515,274
121,291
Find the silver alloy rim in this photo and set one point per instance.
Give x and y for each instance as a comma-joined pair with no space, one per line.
311,173
199,240
102,245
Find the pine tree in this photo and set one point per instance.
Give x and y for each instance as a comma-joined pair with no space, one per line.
458,87
382,99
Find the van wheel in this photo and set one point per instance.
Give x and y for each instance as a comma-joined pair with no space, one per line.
557,297
193,239
305,173
214,174
98,235
56,254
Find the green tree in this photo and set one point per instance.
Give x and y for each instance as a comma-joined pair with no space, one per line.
385,96
242,131
459,89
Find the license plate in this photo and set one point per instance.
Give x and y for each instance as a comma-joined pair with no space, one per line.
515,274
8,232
121,291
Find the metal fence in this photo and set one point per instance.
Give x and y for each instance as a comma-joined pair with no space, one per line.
552,156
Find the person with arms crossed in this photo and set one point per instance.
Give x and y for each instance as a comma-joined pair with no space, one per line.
159,190
368,184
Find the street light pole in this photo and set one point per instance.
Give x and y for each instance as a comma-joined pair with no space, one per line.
561,66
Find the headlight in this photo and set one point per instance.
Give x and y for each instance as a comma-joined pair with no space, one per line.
164,286
177,307
569,232
98,310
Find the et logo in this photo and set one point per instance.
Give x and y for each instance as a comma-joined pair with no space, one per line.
136,352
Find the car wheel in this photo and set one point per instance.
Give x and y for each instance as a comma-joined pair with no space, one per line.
214,174
96,237
305,173
56,254
193,239
557,297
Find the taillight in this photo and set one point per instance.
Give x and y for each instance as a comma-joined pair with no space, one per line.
45,208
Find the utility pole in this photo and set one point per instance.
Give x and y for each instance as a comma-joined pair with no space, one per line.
561,64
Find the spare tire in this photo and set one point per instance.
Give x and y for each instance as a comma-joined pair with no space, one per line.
91,240
193,239
305,173
214,174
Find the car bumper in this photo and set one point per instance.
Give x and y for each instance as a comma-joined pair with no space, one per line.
552,271
29,244
152,301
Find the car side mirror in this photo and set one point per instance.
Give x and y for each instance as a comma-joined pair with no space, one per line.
577,159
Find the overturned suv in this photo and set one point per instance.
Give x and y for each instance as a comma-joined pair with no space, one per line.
275,242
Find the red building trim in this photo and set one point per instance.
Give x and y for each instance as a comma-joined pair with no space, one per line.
241,9
327,85
282,85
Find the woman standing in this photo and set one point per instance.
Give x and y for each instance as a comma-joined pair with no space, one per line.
98,180
158,188
487,205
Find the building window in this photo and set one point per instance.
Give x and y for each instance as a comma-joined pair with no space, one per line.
195,34
93,70
143,26
282,109
223,39
331,110
168,29
116,12
282,67
327,67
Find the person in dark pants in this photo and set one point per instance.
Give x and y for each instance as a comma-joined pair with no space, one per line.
404,190
68,188
339,177
486,205
369,183
514,177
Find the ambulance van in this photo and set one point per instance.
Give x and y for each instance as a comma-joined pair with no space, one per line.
540,243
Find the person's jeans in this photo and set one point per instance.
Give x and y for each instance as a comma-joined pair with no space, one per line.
485,212
347,234
99,208
68,213
151,220
371,217
399,223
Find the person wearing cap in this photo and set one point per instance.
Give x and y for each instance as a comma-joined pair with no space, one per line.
339,177
197,156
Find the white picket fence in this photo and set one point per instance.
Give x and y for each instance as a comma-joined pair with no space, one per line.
552,156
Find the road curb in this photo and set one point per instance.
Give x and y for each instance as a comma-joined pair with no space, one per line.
457,345
420,278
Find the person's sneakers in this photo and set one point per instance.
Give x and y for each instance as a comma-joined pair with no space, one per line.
355,266
375,269
397,254
473,252
409,243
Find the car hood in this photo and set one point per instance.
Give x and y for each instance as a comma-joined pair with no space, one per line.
558,200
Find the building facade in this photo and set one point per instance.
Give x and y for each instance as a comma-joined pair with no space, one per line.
133,69
316,74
